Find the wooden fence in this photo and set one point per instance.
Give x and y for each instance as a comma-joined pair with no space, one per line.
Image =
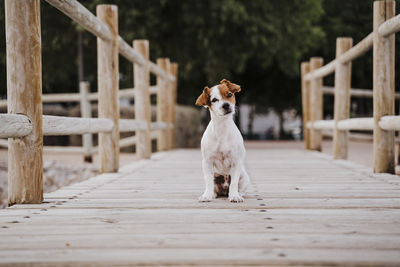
383,123
25,125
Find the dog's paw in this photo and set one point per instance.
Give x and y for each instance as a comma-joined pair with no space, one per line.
236,198
206,197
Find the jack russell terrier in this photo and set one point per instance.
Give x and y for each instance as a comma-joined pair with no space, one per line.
222,145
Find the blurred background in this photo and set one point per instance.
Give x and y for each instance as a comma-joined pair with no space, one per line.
258,44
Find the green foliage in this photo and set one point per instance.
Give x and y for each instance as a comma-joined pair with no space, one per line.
258,44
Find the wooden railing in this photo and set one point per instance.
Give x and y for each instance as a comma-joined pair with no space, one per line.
383,123
25,125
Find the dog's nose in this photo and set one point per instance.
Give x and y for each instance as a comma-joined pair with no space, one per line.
226,106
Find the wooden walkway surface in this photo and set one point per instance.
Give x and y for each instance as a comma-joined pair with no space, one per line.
302,209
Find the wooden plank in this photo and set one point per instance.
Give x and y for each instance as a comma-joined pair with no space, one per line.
148,214
196,240
206,256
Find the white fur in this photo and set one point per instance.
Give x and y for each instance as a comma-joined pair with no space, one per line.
223,151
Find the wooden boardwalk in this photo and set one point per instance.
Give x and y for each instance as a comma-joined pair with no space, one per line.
302,209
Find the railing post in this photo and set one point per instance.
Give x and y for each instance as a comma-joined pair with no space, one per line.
162,104
174,72
141,76
383,88
108,86
341,99
24,91
86,112
316,108
305,102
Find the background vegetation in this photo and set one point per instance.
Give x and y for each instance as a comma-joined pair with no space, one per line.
258,44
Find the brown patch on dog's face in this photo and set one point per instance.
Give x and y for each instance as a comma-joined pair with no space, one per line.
228,90
226,94
204,98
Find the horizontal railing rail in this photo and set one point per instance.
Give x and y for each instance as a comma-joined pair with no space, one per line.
359,93
25,125
76,97
78,13
384,122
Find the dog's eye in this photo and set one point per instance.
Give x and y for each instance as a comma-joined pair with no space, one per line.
214,100
229,95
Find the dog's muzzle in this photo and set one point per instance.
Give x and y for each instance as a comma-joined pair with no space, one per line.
227,108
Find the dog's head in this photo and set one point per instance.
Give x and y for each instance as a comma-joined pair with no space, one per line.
220,99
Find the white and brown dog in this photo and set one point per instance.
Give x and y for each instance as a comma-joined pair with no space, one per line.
222,145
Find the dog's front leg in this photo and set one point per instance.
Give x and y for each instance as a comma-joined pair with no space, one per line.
234,195
208,173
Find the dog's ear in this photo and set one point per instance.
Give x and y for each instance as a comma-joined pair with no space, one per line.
234,88
204,98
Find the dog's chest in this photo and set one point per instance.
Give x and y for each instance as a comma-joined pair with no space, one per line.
222,159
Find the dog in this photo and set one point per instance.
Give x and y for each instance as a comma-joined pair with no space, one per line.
222,145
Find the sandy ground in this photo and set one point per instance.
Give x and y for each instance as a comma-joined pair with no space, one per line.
63,169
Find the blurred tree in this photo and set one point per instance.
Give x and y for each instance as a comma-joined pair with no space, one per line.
255,43
349,19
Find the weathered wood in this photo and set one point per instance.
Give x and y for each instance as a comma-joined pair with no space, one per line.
14,125
321,125
342,99
159,125
141,78
128,141
305,102
162,104
128,125
174,72
24,91
58,125
78,13
361,48
367,93
108,86
316,106
383,87
390,26
170,100
83,17
356,124
356,51
390,123
330,209
75,97
86,112
322,71
66,149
